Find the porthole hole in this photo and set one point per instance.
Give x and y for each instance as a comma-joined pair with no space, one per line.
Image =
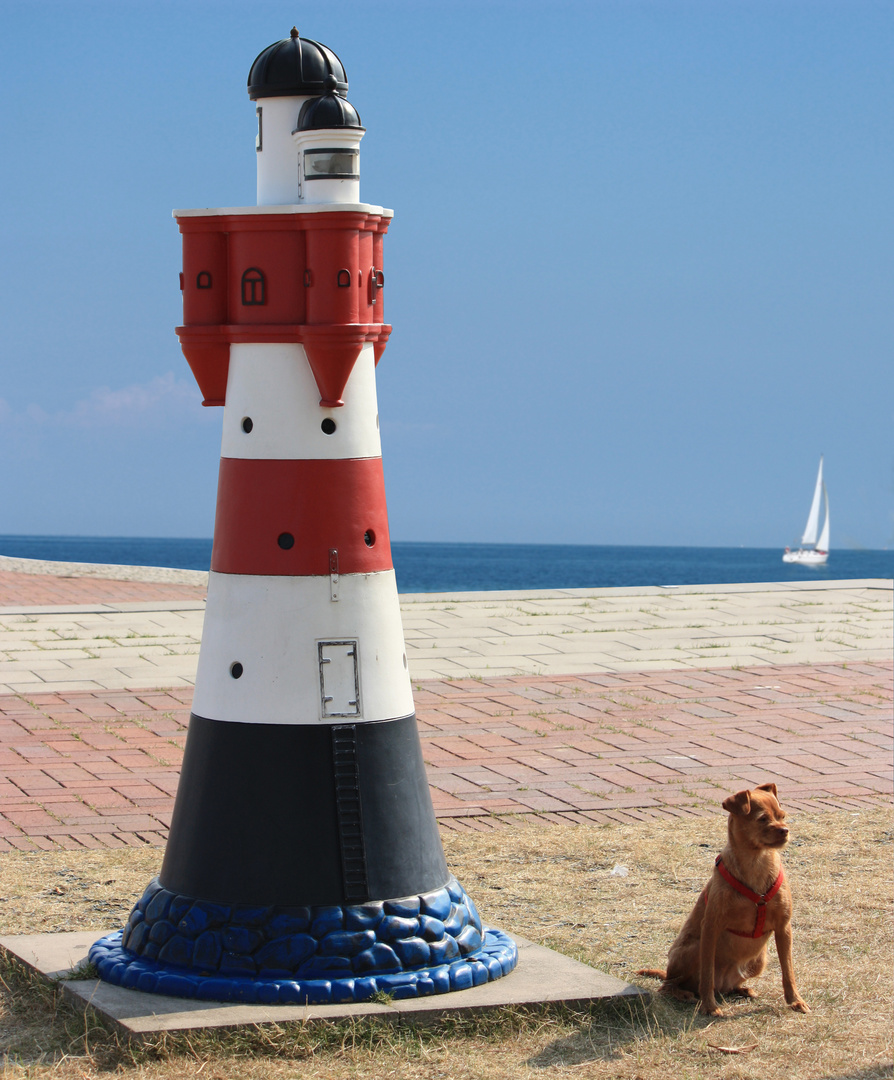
285,541
236,670
405,660
247,424
369,538
328,426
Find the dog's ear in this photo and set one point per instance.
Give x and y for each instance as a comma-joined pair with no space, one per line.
769,787
740,803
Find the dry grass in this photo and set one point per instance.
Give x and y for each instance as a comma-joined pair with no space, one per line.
552,884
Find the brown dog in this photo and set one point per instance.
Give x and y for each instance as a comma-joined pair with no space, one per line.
724,940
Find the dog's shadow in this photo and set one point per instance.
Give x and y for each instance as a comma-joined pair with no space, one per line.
610,1027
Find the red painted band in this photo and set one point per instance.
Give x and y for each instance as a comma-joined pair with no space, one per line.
321,504
294,222
282,269
234,334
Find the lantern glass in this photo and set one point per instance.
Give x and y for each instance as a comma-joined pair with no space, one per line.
333,164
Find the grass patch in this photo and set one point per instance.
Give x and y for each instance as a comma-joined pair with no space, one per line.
552,884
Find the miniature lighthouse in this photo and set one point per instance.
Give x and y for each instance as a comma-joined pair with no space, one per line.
304,862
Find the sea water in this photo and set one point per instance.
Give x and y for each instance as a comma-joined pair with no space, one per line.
431,567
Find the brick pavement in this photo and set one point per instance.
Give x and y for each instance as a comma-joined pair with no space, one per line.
99,769
24,590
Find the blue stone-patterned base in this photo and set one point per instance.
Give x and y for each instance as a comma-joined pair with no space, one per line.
429,944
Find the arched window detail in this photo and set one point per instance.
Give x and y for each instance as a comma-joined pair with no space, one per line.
344,279
203,280
253,288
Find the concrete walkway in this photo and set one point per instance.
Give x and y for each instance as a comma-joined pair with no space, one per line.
562,706
97,639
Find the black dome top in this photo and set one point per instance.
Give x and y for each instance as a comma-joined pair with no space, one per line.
295,67
329,111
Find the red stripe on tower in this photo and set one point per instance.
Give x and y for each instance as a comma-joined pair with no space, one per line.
287,517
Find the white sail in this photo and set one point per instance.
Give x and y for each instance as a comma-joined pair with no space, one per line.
811,552
812,526
823,542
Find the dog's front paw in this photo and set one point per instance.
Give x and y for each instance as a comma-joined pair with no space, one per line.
799,1006
710,1008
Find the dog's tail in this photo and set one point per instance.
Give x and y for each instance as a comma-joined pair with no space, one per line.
652,973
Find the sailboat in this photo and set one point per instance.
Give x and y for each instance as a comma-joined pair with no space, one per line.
813,552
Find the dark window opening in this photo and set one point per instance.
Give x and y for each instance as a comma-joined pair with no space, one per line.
253,288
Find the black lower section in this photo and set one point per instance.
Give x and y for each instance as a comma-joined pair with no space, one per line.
267,814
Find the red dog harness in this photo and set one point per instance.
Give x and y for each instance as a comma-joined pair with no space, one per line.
760,901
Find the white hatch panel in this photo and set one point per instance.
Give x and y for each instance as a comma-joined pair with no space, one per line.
339,678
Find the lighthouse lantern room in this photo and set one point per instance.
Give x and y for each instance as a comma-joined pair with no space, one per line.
303,862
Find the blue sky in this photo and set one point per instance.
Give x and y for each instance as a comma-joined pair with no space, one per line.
640,272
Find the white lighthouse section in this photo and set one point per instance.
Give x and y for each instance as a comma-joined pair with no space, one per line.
273,627
299,650
272,385
277,154
329,160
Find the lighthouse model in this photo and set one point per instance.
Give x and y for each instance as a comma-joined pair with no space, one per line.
304,862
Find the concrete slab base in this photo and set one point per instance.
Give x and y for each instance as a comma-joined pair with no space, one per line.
541,977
